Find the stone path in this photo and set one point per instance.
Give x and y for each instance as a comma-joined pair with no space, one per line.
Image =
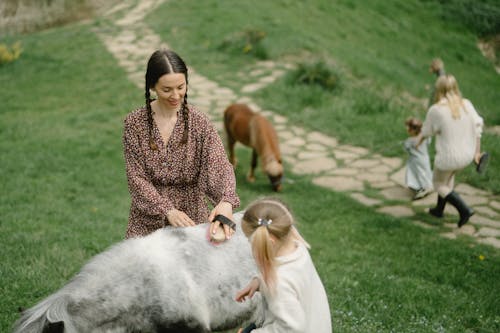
333,165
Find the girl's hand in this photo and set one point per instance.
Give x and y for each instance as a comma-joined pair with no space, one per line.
240,330
249,290
222,208
178,218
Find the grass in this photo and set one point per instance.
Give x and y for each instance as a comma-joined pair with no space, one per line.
64,196
380,51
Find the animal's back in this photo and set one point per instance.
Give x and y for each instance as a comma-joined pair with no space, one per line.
264,137
236,121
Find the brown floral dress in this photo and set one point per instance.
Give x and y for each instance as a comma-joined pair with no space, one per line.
176,175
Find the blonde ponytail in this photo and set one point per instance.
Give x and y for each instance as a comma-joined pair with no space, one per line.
264,255
267,220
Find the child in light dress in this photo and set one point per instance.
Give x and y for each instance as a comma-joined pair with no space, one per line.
294,295
418,166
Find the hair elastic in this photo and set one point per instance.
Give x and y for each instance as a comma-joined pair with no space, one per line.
264,222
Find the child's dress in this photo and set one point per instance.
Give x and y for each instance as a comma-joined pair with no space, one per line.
418,166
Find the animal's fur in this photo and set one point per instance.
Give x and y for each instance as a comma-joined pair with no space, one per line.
173,280
254,130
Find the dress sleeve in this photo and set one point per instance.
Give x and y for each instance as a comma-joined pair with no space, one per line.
217,175
286,309
143,193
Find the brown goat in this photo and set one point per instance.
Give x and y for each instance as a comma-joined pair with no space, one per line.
255,131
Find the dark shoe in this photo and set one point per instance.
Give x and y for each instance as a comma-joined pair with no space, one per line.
249,328
422,193
483,163
438,210
464,210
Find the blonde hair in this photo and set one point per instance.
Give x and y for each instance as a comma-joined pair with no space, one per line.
264,218
447,88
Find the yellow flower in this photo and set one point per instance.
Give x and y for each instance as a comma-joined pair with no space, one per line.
9,54
481,257
247,48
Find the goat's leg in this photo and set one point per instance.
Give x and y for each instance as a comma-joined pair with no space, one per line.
253,165
230,146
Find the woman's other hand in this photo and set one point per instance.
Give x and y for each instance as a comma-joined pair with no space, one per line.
178,218
420,139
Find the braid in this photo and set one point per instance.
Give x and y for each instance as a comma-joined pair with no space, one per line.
185,112
152,144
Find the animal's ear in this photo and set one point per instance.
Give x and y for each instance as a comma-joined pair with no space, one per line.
57,327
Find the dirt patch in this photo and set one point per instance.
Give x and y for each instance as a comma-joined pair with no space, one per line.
24,16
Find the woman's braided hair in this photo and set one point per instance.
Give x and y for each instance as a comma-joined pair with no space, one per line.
160,63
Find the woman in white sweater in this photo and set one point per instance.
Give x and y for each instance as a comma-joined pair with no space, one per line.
295,298
457,127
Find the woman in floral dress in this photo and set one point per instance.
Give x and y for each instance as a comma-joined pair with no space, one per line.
175,160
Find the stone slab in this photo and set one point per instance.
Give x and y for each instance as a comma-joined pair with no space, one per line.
399,177
314,166
363,199
481,220
338,183
397,193
397,211
321,138
488,232
490,241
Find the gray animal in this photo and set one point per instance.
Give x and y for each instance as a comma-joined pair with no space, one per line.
173,280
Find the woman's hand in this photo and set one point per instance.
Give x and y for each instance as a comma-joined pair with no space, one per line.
240,330
477,157
420,139
248,291
178,218
222,208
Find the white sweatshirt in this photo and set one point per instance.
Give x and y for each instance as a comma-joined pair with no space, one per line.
300,304
455,138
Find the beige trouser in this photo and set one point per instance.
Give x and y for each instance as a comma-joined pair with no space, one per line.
444,181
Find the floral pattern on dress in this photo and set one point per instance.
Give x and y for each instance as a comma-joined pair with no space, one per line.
176,175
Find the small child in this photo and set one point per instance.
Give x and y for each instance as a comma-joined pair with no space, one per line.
295,297
418,165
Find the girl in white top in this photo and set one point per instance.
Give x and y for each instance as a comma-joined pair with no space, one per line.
295,298
457,127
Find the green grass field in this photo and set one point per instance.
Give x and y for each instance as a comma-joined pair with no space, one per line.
381,52
63,188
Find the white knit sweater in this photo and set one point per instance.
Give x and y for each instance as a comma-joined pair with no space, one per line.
300,304
455,138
